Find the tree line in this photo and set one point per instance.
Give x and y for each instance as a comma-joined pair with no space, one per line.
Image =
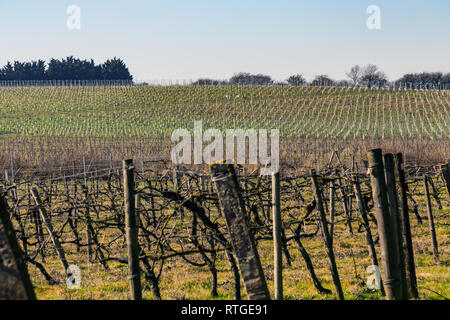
367,76
69,68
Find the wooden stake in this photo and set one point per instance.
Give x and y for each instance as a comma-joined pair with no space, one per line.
431,221
232,205
331,209
445,169
131,230
388,161
379,194
278,258
406,241
15,283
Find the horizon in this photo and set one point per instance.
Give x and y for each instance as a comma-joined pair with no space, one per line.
172,40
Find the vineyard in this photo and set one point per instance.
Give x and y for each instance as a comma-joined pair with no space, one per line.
46,126
184,245
69,195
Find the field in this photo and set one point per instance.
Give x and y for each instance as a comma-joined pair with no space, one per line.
69,142
43,125
183,252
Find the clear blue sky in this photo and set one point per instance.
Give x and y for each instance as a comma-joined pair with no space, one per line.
174,39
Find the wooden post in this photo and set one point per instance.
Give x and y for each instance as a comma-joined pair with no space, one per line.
379,194
15,282
89,228
39,232
131,230
445,169
277,256
435,194
137,207
347,212
84,171
406,241
232,205
48,224
88,241
12,167
326,237
331,209
389,170
431,221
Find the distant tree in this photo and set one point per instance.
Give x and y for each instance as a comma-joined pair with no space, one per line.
446,79
69,68
408,78
372,76
115,69
423,79
36,70
322,80
8,72
19,73
296,80
343,83
355,74
244,78
55,70
73,69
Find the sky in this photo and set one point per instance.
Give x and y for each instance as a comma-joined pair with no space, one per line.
191,39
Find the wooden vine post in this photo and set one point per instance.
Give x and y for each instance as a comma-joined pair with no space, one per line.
445,169
232,205
431,220
391,279
388,160
326,237
406,240
89,234
278,258
331,209
15,282
131,230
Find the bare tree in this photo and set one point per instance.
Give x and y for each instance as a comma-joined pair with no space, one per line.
355,74
244,78
296,80
371,75
322,80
